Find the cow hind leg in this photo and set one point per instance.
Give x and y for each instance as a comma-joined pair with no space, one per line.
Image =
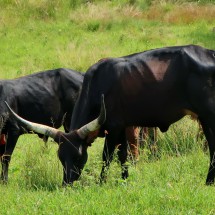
210,136
132,136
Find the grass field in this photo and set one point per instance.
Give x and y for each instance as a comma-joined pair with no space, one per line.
42,34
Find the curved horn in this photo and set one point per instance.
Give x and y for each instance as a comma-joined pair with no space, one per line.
95,124
38,128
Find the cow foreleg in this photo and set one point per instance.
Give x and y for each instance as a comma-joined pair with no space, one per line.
6,157
107,157
2,150
210,136
5,160
122,154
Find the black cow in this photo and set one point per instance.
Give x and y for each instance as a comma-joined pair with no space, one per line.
154,88
46,97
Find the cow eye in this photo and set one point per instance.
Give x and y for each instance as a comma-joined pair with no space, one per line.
214,54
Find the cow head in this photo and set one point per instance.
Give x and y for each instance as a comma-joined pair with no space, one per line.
72,150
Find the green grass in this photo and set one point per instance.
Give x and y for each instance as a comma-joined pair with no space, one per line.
79,38
40,35
172,183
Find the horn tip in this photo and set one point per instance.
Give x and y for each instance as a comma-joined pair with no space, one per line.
8,106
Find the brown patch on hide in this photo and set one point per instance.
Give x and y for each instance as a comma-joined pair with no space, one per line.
2,139
158,68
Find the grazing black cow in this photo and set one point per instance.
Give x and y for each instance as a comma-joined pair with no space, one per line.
154,88
46,97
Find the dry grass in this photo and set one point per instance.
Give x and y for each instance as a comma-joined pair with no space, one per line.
165,12
105,13
185,13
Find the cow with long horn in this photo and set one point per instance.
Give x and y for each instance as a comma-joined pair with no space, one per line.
67,149
46,97
154,88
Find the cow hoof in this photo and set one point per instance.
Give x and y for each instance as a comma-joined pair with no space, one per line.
103,179
4,181
209,182
125,175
